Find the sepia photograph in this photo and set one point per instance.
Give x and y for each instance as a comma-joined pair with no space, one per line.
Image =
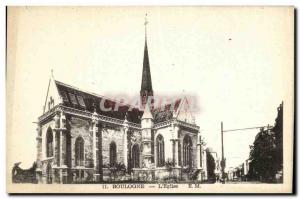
150,99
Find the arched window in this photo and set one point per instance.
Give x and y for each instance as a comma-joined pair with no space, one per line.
49,143
49,174
160,151
136,156
79,152
112,153
187,151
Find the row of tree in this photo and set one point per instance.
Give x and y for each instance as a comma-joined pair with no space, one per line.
266,154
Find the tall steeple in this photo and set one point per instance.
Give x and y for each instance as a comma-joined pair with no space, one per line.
146,86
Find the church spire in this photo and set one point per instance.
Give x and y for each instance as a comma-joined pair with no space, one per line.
146,86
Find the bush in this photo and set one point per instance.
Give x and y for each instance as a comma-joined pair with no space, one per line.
117,170
169,164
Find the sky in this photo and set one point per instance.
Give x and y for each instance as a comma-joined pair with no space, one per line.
234,60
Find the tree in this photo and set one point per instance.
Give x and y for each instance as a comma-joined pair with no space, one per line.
262,156
266,152
211,166
278,130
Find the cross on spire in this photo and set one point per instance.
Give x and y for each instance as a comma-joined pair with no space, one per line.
146,23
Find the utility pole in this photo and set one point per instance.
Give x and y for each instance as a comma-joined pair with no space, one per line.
223,160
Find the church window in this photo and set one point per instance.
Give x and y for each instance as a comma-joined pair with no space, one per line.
79,152
51,102
80,100
73,99
187,151
136,156
112,153
49,143
160,151
64,96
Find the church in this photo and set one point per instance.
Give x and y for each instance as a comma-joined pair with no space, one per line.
79,142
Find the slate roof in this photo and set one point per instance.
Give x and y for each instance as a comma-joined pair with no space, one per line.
82,100
161,115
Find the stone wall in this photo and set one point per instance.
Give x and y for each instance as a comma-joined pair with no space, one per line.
81,128
112,134
135,138
193,136
42,149
168,147
44,129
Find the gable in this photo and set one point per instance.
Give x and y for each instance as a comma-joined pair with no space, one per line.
184,112
52,97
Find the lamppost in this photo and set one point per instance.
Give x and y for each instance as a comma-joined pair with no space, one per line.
222,160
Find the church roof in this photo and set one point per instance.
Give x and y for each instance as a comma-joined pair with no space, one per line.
82,100
76,98
161,115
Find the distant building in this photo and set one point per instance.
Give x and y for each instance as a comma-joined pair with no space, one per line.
230,174
211,167
246,167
